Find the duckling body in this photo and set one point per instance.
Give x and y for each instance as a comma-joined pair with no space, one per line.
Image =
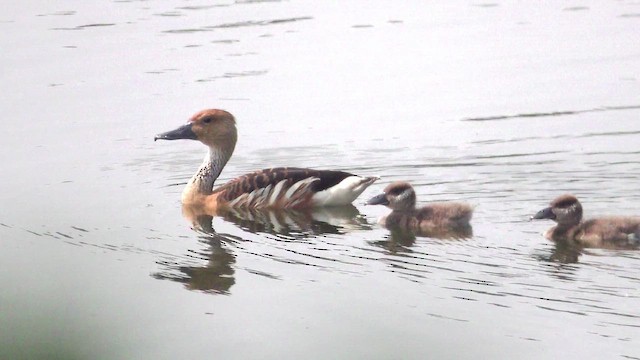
282,187
604,232
435,219
430,217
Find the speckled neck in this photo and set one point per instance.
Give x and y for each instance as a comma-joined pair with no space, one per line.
204,179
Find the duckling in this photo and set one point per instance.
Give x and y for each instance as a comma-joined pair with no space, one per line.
605,232
283,187
442,220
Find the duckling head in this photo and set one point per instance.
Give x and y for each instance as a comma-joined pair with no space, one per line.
565,210
212,127
396,196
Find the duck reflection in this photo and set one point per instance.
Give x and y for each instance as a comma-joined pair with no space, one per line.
216,275
400,239
297,223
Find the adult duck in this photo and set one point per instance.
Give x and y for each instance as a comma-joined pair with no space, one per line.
275,188
613,232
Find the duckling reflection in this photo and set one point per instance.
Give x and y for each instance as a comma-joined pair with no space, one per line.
617,232
563,252
448,220
398,241
217,275
291,223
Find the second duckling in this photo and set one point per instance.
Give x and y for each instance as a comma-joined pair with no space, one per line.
446,219
606,232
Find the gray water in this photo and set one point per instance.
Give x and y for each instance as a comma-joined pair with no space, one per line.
502,105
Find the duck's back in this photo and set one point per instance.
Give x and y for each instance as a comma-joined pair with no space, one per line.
289,187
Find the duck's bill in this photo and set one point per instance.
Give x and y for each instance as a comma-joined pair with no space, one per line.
183,132
545,213
380,199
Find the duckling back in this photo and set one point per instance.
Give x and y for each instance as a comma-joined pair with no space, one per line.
614,232
431,217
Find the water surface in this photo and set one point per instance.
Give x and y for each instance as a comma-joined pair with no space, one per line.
504,106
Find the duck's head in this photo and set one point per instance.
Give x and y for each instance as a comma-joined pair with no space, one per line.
396,196
565,210
212,127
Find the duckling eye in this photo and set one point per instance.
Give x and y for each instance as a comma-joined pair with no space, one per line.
206,120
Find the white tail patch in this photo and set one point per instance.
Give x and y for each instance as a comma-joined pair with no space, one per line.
344,192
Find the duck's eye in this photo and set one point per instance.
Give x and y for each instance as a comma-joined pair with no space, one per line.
206,120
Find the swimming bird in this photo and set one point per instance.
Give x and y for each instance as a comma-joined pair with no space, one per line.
445,219
283,187
604,232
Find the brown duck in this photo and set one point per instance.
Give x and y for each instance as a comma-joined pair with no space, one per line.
275,188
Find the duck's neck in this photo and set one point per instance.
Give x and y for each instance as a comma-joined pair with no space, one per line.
202,182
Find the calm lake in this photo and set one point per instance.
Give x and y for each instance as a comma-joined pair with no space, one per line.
504,105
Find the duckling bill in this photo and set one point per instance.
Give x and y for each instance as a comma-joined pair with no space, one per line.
443,220
605,232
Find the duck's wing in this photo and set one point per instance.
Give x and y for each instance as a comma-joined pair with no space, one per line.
287,187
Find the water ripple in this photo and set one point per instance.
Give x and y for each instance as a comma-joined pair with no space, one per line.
240,24
83,27
552,113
